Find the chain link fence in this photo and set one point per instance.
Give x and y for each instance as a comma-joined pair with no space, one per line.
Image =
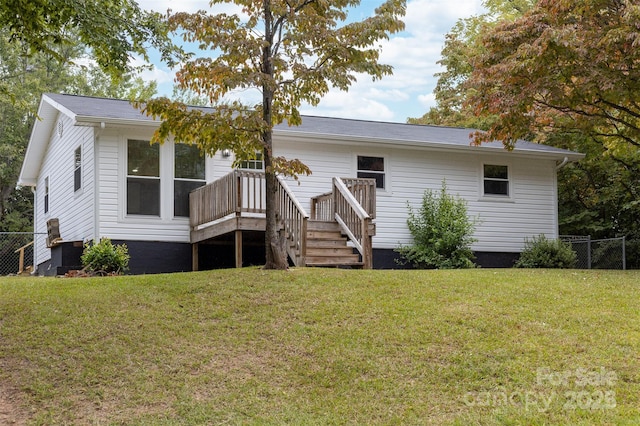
607,253
16,252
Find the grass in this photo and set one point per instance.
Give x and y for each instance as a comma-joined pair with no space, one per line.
317,346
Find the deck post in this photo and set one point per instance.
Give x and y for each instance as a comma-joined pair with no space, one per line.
194,256
238,244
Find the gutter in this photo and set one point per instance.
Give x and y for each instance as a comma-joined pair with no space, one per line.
564,162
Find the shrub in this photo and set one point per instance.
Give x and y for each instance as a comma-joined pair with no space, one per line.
543,253
105,258
442,233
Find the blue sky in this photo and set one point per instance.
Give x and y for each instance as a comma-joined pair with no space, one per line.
413,54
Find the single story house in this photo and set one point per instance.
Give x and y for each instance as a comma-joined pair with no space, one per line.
93,169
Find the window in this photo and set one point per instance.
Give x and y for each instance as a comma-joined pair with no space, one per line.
496,180
255,164
189,175
143,178
77,169
46,194
372,167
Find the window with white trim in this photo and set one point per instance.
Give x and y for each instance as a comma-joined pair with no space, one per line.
372,167
256,163
496,180
46,194
77,169
188,174
143,178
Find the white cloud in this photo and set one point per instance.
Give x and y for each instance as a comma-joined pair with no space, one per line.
427,101
352,104
190,6
413,54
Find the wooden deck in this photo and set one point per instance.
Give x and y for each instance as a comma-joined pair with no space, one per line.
237,203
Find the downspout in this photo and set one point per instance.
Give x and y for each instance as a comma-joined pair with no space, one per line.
555,190
35,245
96,180
564,162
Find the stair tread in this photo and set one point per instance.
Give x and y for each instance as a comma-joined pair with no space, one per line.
332,260
345,251
327,243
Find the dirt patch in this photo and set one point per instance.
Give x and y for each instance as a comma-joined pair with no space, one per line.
10,411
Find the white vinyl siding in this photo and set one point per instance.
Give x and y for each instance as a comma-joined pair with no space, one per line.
113,220
502,227
74,209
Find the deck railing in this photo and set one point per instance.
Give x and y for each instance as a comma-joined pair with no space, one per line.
238,192
294,222
244,191
352,204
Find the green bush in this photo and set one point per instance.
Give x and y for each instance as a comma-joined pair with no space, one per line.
442,233
541,252
105,258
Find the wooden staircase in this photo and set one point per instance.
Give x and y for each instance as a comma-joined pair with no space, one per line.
327,247
237,202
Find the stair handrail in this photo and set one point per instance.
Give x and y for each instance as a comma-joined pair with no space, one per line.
354,220
363,189
294,221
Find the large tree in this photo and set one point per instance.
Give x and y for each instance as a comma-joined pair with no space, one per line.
292,51
565,65
29,75
568,73
112,29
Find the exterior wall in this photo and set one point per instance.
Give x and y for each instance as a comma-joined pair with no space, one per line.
504,222
113,220
74,209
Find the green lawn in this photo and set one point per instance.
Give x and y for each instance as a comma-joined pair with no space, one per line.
319,346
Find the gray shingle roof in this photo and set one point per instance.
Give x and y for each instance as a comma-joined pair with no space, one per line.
95,109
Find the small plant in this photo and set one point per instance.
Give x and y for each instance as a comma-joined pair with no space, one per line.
105,258
541,252
442,233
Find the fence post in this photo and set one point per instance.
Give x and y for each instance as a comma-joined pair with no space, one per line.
624,253
589,253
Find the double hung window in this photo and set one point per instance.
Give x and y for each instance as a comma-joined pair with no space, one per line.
496,180
189,175
143,178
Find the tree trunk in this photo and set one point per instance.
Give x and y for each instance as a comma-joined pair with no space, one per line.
5,193
276,257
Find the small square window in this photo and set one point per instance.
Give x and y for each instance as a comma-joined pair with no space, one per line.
496,179
373,168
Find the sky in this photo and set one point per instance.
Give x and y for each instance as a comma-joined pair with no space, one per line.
413,54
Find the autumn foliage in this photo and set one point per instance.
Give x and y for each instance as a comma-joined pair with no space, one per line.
290,52
564,65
